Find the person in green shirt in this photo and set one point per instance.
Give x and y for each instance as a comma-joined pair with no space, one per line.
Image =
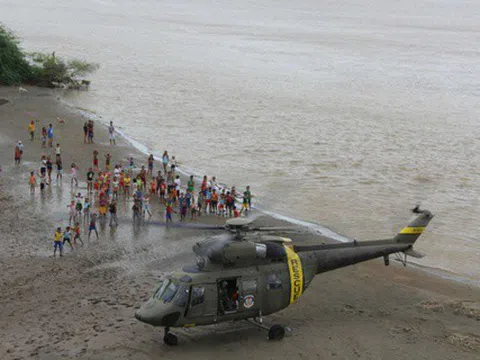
191,184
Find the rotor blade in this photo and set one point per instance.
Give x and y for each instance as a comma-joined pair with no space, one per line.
177,225
276,228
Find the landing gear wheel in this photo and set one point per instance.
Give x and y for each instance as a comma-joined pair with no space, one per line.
276,332
169,338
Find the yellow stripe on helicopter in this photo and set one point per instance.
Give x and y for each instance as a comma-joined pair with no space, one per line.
413,230
296,274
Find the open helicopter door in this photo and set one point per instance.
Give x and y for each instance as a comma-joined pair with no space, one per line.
202,301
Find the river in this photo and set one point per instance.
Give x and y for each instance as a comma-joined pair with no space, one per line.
345,113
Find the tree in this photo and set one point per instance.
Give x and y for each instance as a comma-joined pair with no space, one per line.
40,69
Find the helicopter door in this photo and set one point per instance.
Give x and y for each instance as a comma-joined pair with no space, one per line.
203,301
249,300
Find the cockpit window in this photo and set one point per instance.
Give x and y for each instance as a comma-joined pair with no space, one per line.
160,289
198,295
167,291
182,297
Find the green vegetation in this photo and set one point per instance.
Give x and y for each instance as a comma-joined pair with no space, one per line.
48,70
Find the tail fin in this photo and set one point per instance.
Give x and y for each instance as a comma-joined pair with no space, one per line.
410,233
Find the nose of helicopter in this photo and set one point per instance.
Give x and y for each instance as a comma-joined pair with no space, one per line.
157,316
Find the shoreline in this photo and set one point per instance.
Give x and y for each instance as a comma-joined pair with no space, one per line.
359,311
315,228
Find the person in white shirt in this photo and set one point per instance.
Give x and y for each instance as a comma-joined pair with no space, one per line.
178,184
111,133
74,175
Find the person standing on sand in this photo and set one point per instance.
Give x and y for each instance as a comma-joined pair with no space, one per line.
59,171
67,237
90,131
168,212
57,242
150,165
31,130
112,208
49,169
58,151
74,175
76,234
85,132
44,137
93,225
18,152
165,160
111,133
95,160
108,159
90,176
33,182
50,135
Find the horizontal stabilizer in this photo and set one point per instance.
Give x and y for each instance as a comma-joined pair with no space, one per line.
413,253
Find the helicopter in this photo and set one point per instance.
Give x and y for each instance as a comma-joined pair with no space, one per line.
249,275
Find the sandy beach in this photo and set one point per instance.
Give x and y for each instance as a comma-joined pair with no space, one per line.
82,305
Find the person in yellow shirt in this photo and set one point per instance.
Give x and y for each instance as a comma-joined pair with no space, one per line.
127,181
58,241
31,130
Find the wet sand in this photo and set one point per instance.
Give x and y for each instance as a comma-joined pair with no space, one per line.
82,305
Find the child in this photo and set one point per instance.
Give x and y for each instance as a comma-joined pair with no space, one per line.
31,130
90,176
214,202
245,204
163,189
86,209
33,182
67,236
93,225
221,204
115,187
95,160
168,212
112,208
131,164
146,207
57,242
44,137
121,183
43,181
235,212
71,211
174,165
183,207
59,170
153,187
78,206
201,199
108,158
49,169
76,232
74,175
150,165
193,209
127,181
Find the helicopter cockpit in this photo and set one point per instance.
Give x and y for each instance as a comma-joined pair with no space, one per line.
168,302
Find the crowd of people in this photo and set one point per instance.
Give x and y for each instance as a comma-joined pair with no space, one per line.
112,180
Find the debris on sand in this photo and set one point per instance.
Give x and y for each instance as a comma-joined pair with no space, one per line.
469,308
466,341
431,305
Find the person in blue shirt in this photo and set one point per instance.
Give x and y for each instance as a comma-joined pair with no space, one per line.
50,135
